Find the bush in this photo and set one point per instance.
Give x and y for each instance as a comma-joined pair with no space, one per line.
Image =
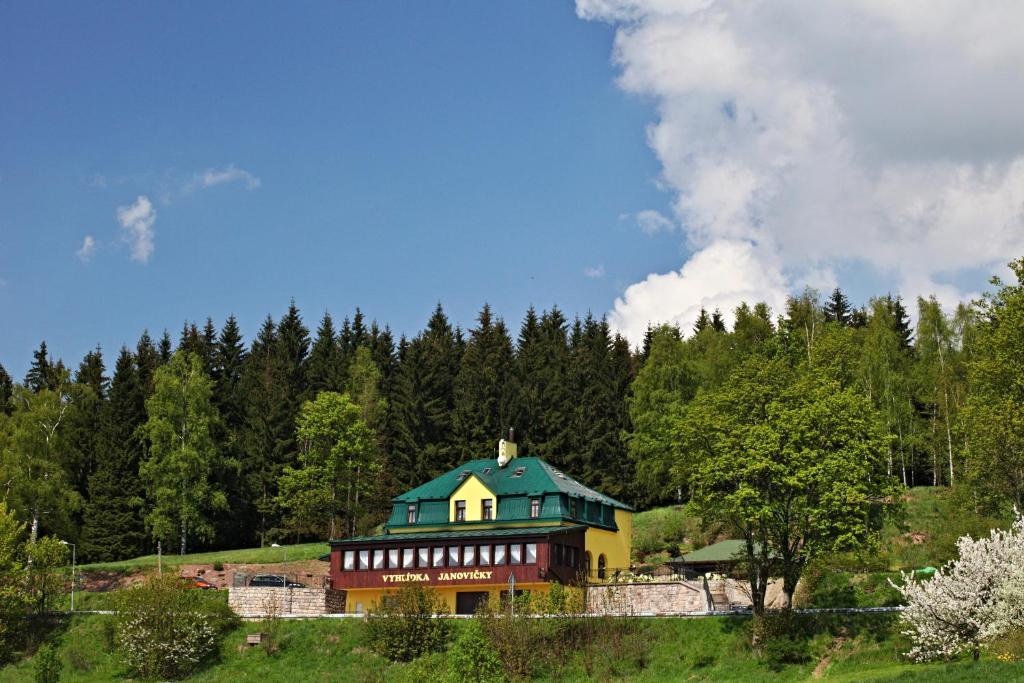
780,638
218,566
166,630
402,626
46,665
472,658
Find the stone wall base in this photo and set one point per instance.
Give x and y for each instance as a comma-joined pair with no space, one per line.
248,601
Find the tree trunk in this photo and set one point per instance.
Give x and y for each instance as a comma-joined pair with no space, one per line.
34,529
183,538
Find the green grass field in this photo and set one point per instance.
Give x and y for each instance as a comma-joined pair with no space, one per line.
301,551
712,649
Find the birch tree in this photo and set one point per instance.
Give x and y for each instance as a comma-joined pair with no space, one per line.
338,466
179,473
32,476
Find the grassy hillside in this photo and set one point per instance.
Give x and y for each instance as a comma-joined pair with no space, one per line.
302,551
925,535
675,649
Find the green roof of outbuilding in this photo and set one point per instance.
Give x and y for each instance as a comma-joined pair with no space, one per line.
457,535
724,551
537,478
729,550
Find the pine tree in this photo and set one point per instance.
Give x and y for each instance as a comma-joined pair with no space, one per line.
424,400
147,360
837,309
325,369
112,524
596,450
228,366
268,432
209,346
292,350
165,348
717,321
6,391
901,321
544,401
483,388
92,373
703,321
83,443
43,373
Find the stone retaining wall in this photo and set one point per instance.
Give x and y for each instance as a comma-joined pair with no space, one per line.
645,598
248,601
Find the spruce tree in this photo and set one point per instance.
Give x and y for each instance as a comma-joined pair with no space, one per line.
703,321
544,398
901,321
43,373
483,388
837,309
112,523
268,432
92,373
165,349
230,401
595,449
717,321
147,360
424,400
325,369
6,391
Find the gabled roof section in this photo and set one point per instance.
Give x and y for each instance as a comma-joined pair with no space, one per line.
521,476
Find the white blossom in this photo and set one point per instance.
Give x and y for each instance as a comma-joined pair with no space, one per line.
971,601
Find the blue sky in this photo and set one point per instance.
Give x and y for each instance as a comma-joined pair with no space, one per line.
161,163
405,154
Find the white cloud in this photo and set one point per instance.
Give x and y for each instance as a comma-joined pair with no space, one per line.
137,230
594,272
229,174
652,222
827,134
720,276
87,249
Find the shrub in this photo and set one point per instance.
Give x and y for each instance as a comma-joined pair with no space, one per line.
166,630
46,665
218,566
780,638
402,626
472,658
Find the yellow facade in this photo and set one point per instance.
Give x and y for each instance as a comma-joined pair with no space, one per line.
474,492
614,545
361,600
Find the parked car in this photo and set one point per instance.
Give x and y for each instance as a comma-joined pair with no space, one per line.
274,581
198,582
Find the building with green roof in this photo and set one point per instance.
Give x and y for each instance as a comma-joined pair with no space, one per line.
474,530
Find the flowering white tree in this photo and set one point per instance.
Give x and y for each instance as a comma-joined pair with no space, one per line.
971,600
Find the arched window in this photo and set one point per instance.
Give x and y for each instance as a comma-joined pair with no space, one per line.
601,563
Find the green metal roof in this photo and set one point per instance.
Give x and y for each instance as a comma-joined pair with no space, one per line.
535,477
729,550
723,551
457,535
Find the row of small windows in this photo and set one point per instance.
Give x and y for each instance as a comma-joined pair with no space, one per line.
486,510
440,556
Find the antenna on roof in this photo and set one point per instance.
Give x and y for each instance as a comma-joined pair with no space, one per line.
507,448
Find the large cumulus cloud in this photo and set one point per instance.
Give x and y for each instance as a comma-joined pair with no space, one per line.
800,137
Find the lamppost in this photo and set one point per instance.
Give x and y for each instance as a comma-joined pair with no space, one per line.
73,558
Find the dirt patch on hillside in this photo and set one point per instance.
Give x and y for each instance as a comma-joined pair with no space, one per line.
312,573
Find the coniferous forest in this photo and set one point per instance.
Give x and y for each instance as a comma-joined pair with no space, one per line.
205,440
